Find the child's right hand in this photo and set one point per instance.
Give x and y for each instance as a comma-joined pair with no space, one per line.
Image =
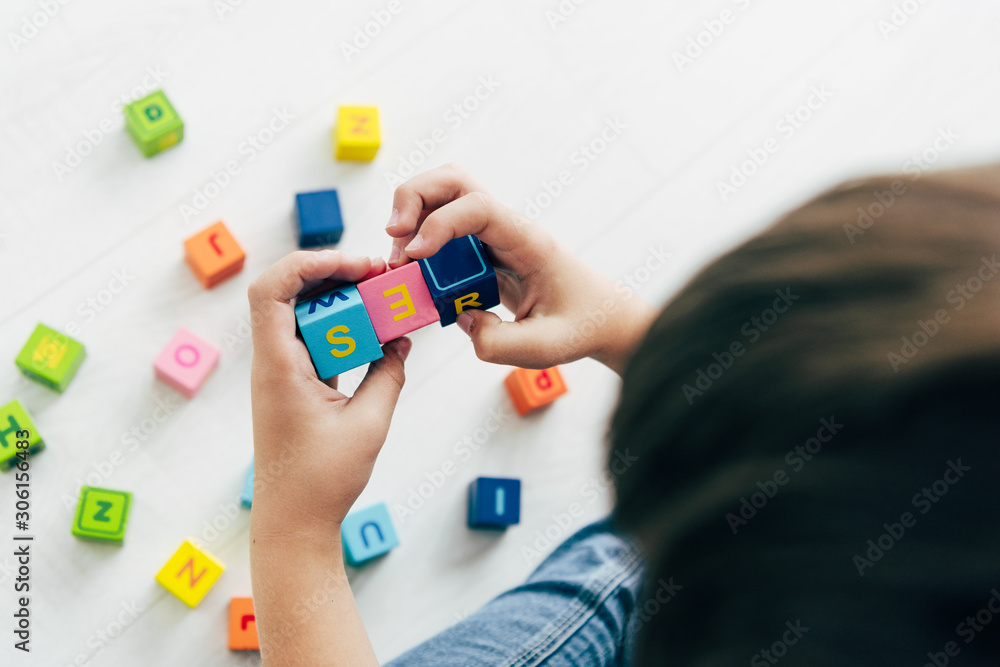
563,309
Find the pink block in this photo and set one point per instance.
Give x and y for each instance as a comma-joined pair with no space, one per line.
398,302
186,362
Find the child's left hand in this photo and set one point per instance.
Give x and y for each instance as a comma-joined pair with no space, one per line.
314,446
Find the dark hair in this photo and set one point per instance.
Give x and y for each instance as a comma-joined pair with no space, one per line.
876,352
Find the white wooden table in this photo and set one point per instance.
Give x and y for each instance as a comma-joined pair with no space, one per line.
525,95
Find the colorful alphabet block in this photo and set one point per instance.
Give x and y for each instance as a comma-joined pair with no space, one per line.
214,255
50,358
356,135
494,502
367,534
14,418
190,573
459,276
246,498
102,514
153,123
186,362
337,331
319,219
398,302
531,389
242,625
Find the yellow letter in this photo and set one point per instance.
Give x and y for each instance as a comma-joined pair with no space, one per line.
406,302
467,301
49,351
340,340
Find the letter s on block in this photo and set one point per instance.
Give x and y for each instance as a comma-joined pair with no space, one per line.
333,339
404,305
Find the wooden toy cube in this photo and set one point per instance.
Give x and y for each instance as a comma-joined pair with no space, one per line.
246,498
357,135
494,502
337,331
214,255
153,123
319,219
531,389
102,514
367,534
242,625
50,358
14,418
190,573
186,362
459,276
398,302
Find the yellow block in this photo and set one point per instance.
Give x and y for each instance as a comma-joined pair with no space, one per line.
356,135
190,573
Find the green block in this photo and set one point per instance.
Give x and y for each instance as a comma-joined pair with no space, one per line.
102,514
153,123
50,358
14,418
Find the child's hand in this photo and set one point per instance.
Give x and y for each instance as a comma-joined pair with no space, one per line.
563,309
314,446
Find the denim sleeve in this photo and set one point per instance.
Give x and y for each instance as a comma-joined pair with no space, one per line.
575,609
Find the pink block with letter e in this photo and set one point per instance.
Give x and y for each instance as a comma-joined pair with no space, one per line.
186,362
398,302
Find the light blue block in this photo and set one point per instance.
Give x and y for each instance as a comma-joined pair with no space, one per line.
246,498
367,534
494,502
336,329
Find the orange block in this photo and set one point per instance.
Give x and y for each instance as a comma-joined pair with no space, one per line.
242,625
214,255
531,389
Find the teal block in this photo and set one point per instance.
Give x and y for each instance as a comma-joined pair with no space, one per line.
246,498
367,534
337,330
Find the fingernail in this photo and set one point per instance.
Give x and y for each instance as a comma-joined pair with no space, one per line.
414,244
394,254
403,348
464,323
329,252
393,219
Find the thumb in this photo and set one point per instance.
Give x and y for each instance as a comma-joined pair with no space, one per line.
377,394
521,343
